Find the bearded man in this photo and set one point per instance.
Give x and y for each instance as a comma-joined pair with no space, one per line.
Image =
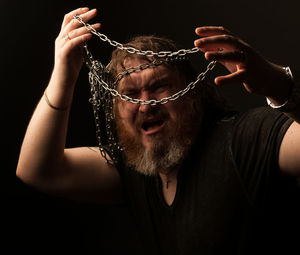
198,178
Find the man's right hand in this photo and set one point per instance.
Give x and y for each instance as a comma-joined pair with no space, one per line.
68,46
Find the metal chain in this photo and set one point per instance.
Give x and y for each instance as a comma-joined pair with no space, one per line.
149,53
168,55
102,108
154,63
94,75
94,71
102,92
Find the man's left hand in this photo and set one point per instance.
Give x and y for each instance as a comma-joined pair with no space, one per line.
246,65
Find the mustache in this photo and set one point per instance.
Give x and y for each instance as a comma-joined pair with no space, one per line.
155,114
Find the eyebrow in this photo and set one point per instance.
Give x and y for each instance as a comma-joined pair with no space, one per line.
128,88
161,81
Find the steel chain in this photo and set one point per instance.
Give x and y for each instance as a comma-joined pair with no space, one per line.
97,83
94,75
169,55
149,53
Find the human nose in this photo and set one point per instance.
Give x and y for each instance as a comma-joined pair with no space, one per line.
144,108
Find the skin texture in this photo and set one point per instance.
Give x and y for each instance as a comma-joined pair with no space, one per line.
258,76
152,83
155,138
81,173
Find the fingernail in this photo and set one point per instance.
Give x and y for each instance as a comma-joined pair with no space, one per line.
85,8
198,30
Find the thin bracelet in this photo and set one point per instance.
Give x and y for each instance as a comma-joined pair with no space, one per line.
276,106
290,77
52,106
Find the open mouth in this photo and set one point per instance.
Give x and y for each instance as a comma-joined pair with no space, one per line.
152,126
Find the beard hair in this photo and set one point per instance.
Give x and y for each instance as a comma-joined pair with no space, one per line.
165,155
161,158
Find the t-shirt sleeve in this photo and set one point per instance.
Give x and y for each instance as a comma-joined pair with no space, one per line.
257,136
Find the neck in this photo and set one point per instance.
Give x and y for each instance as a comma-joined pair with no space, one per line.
168,178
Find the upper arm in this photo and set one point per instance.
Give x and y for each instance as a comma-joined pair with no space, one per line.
85,176
289,153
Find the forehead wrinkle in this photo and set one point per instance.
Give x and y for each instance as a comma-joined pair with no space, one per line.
146,78
128,62
133,80
127,82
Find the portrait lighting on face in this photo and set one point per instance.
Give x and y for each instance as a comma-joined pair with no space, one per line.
104,87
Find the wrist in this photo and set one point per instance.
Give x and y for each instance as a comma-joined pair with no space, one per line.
57,95
289,98
53,106
64,77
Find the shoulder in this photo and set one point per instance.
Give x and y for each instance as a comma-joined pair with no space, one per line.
261,120
256,138
259,114
261,124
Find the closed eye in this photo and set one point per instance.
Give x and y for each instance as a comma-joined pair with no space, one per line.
160,87
131,93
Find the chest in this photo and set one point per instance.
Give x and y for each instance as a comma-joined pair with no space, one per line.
204,210
168,191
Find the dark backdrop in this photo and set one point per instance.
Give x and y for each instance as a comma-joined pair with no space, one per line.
37,223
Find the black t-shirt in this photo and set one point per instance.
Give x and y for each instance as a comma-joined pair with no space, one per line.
231,197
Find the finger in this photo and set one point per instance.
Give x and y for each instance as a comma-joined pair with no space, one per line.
212,30
73,24
219,41
235,77
77,41
211,49
88,15
236,56
63,39
69,16
81,31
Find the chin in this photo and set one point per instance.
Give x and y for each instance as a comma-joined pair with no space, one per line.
151,141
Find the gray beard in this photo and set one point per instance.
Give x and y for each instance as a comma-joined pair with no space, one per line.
160,158
166,153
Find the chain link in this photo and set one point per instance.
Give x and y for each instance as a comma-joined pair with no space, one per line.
154,63
132,50
170,56
101,92
94,75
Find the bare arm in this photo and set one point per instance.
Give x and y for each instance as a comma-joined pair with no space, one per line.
259,76
289,154
44,162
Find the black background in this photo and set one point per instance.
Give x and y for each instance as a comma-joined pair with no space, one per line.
39,224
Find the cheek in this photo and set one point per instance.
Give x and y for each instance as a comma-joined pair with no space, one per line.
178,112
176,107
127,112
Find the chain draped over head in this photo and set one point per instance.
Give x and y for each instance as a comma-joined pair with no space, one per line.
103,88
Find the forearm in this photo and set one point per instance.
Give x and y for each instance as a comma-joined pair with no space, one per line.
42,151
44,142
